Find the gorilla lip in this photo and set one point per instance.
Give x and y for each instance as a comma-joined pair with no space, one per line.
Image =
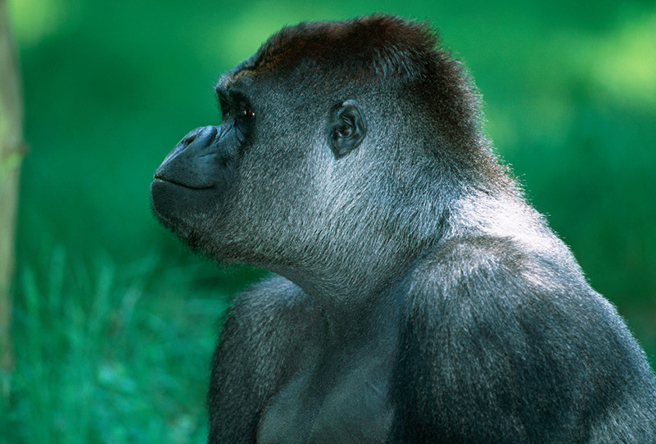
160,179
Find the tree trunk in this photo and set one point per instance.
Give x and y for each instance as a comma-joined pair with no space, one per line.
11,152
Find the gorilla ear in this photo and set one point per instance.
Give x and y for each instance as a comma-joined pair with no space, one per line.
347,128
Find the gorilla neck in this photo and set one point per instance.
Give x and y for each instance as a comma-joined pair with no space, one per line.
355,293
352,282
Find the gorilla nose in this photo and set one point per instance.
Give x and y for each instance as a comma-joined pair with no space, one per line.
188,163
203,134
203,137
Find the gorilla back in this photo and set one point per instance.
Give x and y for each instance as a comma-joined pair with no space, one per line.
416,297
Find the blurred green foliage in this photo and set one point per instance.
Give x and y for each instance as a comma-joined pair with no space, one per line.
114,321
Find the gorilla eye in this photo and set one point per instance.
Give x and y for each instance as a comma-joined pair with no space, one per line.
247,113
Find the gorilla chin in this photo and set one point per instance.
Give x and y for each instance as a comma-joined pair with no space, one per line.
182,210
173,203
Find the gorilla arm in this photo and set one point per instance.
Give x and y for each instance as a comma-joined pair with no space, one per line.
256,351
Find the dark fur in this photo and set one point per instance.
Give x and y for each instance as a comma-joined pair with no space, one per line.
419,298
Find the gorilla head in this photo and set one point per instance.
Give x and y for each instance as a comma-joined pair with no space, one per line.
337,141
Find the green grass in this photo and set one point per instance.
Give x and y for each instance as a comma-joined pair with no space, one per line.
108,354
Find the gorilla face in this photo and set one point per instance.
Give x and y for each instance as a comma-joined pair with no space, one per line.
251,183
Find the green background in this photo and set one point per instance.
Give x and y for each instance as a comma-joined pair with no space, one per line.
115,321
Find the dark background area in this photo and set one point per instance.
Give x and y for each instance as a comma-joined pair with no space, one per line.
114,320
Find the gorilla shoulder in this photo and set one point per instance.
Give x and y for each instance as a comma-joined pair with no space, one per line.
480,307
276,302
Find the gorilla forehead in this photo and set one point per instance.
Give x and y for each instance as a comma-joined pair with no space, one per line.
368,48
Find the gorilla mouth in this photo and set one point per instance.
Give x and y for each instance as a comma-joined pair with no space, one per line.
175,204
161,179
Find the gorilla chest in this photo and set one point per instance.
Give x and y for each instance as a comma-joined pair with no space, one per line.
335,402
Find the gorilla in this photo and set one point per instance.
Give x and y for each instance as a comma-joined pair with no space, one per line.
415,296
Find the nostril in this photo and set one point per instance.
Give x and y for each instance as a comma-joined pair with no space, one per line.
191,136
